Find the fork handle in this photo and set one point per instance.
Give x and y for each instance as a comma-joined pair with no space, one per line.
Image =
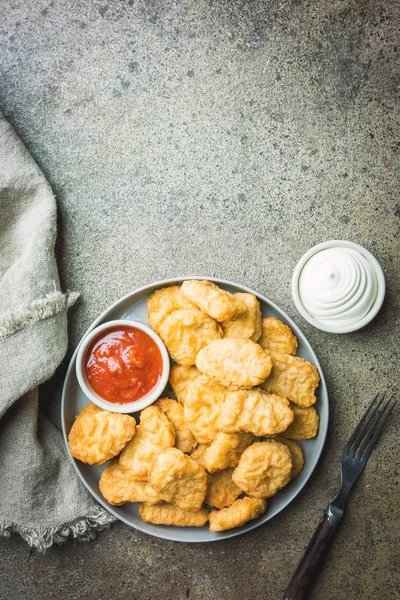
313,557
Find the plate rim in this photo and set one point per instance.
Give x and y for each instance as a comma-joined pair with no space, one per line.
250,525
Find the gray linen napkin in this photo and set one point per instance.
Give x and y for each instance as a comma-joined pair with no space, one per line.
41,497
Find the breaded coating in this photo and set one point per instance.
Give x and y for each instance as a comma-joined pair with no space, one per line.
169,514
255,411
98,435
173,410
293,378
180,377
154,435
225,450
234,362
247,325
263,469
277,337
295,452
187,331
198,454
163,302
219,304
237,514
222,491
180,479
117,487
204,399
305,423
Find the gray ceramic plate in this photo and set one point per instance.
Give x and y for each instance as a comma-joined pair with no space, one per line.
73,400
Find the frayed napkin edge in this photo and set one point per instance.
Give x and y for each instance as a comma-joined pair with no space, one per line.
38,310
82,529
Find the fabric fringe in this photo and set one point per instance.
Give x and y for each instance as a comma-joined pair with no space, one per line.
83,529
29,314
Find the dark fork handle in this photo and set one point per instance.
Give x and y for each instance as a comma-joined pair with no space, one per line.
313,558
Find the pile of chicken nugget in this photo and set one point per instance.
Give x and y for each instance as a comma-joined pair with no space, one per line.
227,442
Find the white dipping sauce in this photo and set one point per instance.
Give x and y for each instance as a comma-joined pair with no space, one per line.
338,286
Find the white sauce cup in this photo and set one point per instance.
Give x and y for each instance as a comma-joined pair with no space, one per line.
339,315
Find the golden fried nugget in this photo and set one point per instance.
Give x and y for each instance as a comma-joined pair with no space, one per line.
296,453
247,325
225,450
234,362
219,304
277,337
204,399
180,479
98,435
254,411
263,469
180,377
173,410
169,514
293,378
237,514
222,491
305,423
117,487
154,435
198,454
163,302
187,331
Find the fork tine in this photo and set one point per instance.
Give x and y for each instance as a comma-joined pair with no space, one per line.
357,435
369,428
374,433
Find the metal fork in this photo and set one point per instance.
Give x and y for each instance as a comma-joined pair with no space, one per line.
354,458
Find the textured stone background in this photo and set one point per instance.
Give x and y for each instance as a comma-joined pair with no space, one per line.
224,138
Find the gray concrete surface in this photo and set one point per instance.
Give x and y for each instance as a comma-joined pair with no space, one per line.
225,138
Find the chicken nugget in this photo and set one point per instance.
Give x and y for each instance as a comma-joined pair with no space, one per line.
293,378
222,491
237,514
255,411
98,435
117,487
154,435
225,450
180,377
169,514
180,479
234,362
247,325
204,399
295,452
263,469
305,423
187,331
163,302
219,304
173,410
277,337
198,454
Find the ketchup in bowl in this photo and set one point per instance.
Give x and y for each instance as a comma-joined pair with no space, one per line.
123,364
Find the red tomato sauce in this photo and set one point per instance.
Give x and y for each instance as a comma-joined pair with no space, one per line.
123,364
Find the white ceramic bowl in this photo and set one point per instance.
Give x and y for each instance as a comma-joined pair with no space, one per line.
129,407
332,328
